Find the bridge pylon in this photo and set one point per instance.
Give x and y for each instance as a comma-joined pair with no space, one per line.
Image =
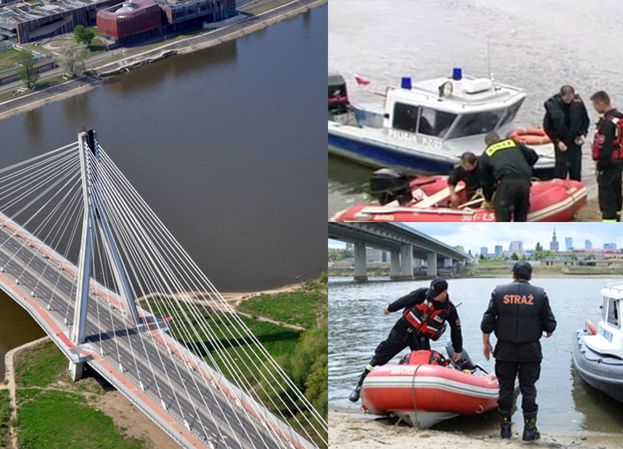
95,219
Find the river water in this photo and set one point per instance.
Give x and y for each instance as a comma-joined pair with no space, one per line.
535,44
567,406
224,144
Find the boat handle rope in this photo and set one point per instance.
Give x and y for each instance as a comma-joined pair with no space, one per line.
417,368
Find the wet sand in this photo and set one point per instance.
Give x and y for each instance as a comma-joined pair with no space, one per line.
350,429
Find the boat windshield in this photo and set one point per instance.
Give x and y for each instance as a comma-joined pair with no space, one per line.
612,316
422,120
484,122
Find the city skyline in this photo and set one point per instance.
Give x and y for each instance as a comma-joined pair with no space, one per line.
474,236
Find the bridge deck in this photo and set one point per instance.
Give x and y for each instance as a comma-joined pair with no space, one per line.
201,409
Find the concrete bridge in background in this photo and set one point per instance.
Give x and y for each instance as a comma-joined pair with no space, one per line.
409,248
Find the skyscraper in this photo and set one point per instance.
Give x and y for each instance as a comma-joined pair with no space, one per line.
568,243
553,245
610,246
588,244
516,247
484,251
498,250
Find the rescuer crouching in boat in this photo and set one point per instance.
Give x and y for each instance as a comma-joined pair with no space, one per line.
467,171
518,313
424,317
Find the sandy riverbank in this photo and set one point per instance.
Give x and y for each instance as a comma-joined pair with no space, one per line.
235,298
354,430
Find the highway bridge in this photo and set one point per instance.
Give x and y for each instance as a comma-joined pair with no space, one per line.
409,248
95,267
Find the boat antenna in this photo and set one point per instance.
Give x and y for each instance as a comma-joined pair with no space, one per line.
489,58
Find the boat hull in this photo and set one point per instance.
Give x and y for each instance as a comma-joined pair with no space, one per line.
550,201
401,158
426,394
599,371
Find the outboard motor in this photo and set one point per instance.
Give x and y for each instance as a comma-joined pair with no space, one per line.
465,362
386,185
338,96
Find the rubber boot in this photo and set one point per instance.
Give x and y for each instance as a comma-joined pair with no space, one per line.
354,396
530,432
505,425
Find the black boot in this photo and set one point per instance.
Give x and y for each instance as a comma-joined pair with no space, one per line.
530,432
354,396
505,425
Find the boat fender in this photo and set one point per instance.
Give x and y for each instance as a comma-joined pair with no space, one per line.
590,327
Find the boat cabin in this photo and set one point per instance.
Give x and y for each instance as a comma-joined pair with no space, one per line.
609,337
451,108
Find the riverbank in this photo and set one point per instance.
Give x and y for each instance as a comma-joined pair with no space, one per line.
124,60
354,430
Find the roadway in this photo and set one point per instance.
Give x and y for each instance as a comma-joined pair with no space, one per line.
200,406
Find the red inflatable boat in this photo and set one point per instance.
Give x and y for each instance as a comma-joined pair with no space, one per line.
424,389
554,200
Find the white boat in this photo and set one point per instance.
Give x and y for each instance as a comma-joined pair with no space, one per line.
598,351
424,127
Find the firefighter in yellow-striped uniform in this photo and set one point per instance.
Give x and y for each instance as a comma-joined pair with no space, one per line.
506,170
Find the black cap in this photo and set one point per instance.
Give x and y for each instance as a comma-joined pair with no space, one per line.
436,286
522,270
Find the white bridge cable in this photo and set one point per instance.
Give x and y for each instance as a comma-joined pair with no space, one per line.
303,428
174,310
115,174
147,273
28,164
134,264
152,219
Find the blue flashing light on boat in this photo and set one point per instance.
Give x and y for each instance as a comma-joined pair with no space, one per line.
457,73
405,82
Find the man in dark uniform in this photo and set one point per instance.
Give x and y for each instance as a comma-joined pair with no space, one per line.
467,171
566,123
518,313
423,309
506,168
608,154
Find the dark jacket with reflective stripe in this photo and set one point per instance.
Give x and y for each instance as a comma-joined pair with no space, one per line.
518,313
419,296
608,129
506,160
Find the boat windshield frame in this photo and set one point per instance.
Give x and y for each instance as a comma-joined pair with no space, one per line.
505,114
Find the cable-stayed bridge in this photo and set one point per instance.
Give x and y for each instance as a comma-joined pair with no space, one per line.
85,255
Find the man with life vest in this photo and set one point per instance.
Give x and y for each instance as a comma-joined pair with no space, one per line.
506,169
518,313
566,123
425,312
608,154
467,171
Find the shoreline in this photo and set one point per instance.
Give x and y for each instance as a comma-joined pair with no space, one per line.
351,429
96,76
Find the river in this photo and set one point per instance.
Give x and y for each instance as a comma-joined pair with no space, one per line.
567,406
224,144
535,44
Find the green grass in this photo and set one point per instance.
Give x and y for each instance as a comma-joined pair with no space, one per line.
9,58
5,417
62,420
40,366
300,307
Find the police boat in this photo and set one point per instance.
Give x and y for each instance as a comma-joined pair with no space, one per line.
423,127
598,350
426,388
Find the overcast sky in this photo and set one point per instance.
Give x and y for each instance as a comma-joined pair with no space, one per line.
472,236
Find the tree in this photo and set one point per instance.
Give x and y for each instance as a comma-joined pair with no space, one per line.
26,70
514,256
84,35
72,58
